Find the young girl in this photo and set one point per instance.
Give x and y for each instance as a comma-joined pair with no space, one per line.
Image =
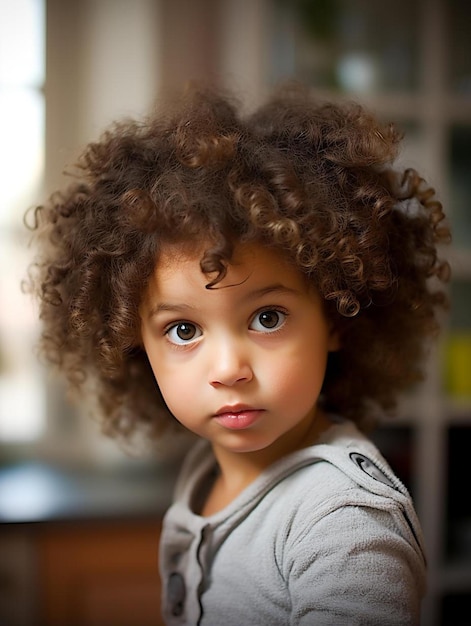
264,282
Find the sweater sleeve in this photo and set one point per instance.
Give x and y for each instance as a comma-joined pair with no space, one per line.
356,565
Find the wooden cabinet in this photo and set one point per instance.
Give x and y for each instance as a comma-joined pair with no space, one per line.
77,573
99,574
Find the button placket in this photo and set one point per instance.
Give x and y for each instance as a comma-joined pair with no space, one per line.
176,593
187,575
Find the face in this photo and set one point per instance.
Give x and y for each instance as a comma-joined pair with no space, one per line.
241,364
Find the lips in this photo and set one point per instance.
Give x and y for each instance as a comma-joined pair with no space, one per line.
237,417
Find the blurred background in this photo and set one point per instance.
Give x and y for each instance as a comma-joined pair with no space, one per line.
79,515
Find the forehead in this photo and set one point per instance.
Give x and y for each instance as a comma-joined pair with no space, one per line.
247,259
252,269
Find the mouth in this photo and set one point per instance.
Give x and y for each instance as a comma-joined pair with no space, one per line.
237,417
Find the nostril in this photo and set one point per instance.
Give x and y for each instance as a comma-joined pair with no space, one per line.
231,378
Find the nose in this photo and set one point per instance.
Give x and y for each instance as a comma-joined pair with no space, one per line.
230,364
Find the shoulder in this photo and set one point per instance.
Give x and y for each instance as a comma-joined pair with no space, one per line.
351,455
344,478
343,457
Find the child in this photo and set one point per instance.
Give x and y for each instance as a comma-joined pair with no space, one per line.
264,282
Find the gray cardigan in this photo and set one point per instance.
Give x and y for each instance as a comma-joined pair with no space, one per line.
325,536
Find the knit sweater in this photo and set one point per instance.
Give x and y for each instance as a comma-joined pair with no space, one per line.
325,536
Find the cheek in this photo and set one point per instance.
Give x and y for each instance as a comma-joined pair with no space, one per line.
177,386
299,374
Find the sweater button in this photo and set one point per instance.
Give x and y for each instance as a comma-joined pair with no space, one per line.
176,593
365,464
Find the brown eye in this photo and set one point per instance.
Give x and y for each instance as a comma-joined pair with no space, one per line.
183,332
268,320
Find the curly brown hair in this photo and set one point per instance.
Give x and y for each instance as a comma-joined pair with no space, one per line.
316,180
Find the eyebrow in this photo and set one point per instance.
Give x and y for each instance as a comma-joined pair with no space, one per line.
162,307
276,288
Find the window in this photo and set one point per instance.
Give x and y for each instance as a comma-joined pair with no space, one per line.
22,73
